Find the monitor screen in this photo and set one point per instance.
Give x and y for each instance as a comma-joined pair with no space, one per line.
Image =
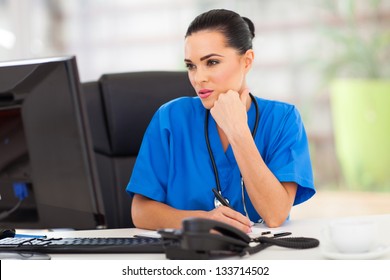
47,171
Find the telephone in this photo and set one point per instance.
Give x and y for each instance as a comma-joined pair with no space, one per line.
208,239
202,238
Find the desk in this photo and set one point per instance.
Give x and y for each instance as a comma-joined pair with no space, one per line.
304,227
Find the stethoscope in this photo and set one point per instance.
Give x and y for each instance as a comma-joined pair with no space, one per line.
219,199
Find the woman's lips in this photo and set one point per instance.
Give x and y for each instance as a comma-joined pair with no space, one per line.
204,93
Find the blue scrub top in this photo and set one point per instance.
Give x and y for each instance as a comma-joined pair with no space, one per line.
174,167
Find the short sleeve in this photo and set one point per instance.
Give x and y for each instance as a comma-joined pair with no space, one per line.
150,173
289,157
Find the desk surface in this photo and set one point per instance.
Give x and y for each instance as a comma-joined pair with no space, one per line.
305,227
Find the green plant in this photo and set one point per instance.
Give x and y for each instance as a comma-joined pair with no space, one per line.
356,71
359,42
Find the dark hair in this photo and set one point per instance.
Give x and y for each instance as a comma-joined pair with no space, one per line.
239,31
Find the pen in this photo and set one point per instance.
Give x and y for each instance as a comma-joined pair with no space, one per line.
221,199
275,234
29,236
283,233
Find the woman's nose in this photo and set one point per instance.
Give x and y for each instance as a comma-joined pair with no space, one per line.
200,76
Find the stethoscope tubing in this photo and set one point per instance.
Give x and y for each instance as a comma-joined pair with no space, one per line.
206,133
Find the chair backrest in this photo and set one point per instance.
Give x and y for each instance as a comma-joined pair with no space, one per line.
120,107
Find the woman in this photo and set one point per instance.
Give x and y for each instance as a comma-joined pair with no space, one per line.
252,151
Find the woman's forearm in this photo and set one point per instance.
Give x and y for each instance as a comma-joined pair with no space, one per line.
272,199
150,214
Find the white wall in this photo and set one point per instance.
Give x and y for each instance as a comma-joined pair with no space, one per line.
132,35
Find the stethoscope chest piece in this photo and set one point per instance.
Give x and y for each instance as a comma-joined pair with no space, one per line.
217,203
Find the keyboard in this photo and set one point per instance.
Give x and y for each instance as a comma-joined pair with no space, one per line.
83,245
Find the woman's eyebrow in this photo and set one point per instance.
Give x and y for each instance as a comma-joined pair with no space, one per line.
204,57
209,55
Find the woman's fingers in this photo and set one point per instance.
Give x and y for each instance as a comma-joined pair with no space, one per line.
231,217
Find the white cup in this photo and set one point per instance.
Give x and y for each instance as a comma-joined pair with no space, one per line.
352,236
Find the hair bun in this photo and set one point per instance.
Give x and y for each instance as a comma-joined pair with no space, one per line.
250,25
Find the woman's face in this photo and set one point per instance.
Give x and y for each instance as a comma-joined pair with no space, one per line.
213,67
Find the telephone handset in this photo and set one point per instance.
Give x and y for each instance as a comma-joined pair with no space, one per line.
198,225
206,239
202,239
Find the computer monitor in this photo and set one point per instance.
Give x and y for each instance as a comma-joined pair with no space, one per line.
45,148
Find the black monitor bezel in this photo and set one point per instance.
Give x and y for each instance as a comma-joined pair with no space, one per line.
31,93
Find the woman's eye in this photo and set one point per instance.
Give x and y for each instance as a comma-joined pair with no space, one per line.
190,66
212,62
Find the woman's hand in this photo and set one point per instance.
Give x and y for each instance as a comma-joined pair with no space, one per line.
230,111
229,216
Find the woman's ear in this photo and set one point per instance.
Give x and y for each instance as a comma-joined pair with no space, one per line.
249,57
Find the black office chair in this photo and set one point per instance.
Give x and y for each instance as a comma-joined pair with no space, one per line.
120,107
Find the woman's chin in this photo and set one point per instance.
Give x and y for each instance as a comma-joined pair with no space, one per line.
208,104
